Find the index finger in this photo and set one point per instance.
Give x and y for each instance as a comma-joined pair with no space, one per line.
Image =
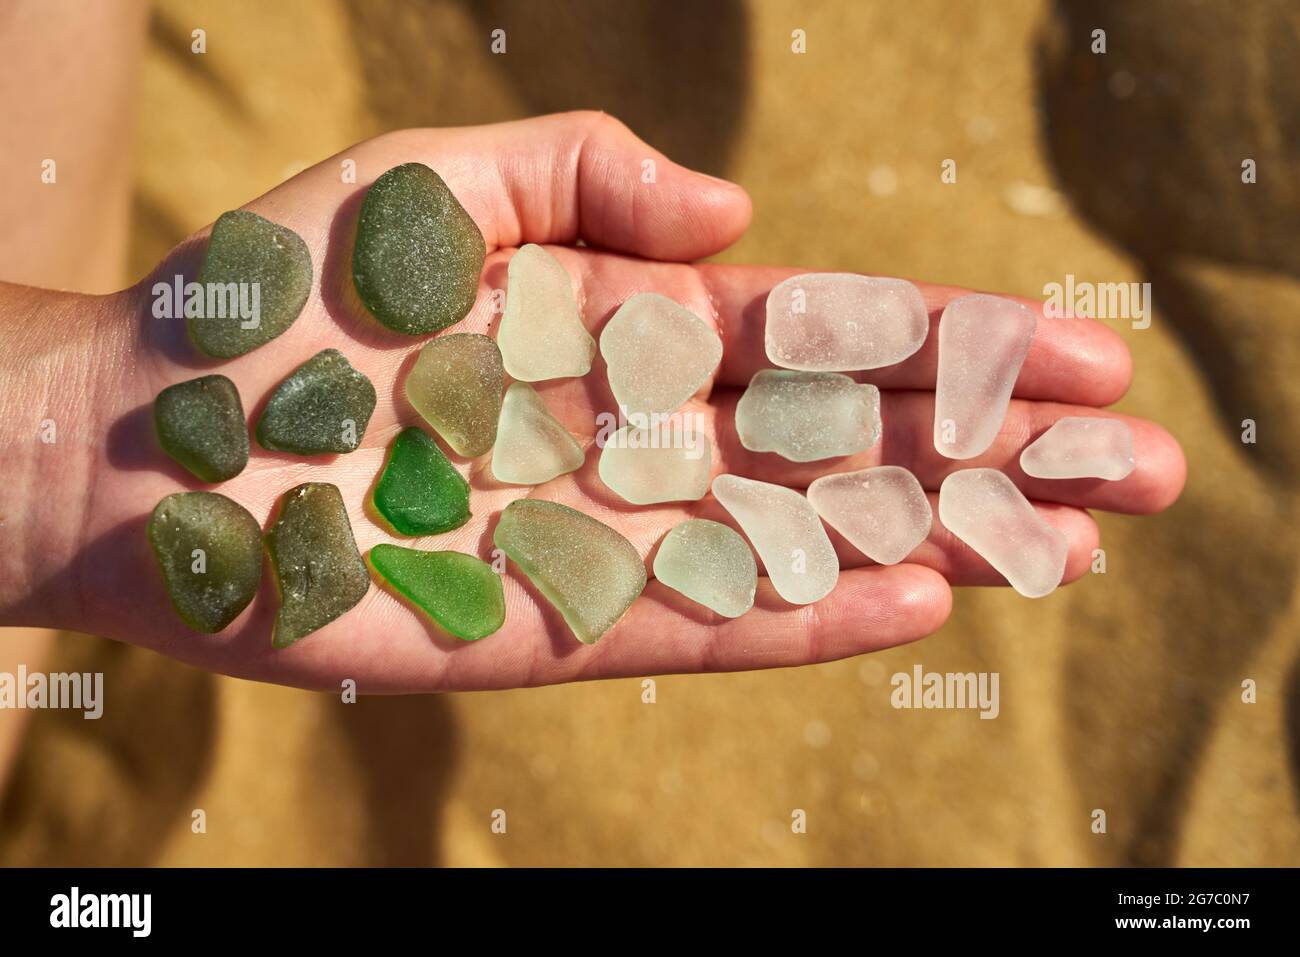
1076,360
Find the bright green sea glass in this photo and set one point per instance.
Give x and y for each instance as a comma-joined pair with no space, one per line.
210,551
264,258
418,254
200,423
318,568
419,491
459,592
323,407
588,571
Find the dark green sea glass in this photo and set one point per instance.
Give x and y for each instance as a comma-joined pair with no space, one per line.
200,423
419,491
264,257
323,407
318,568
210,551
418,255
459,592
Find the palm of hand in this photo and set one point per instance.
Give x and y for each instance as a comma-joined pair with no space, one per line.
552,181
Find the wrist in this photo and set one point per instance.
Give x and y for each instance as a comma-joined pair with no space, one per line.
58,371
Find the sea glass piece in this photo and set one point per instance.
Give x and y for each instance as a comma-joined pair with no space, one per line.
709,563
419,492
319,572
647,466
456,386
787,534
532,447
985,510
266,267
658,354
882,511
588,571
841,322
418,255
210,551
1081,447
541,334
200,423
806,416
459,592
323,407
983,341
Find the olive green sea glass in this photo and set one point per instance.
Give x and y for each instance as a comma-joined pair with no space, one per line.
419,491
317,567
588,571
210,551
456,387
270,269
418,255
459,592
323,407
200,423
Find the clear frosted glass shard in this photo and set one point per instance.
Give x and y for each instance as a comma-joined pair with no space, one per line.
883,511
456,386
787,534
319,571
647,466
658,354
532,447
841,322
588,571
418,253
459,592
209,549
982,344
709,563
805,416
256,256
541,334
322,407
985,510
1081,447
200,423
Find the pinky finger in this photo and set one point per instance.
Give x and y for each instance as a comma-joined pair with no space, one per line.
870,609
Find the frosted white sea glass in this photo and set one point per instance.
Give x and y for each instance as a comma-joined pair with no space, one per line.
806,416
882,511
787,534
982,345
985,510
841,322
531,447
541,334
710,563
1081,447
658,353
